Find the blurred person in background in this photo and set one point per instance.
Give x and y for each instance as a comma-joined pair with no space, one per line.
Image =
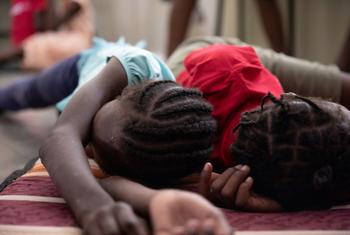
182,10
27,18
344,57
69,31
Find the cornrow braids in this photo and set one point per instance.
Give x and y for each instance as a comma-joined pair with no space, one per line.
169,132
298,149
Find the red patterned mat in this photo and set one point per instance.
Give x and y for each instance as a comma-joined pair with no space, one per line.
32,200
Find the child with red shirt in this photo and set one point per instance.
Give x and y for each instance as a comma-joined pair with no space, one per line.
295,149
24,16
289,154
234,81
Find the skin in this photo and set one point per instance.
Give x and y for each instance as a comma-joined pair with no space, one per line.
272,22
171,211
63,151
44,23
64,157
105,136
179,20
96,209
192,213
71,10
270,15
233,187
344,57
48,20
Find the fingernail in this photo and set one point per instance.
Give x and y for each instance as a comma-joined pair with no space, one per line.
208,227
244,168
238,166
249,180
207,166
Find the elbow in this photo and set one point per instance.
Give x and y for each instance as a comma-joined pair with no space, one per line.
52,145
46,149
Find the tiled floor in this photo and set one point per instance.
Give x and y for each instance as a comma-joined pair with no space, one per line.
21,132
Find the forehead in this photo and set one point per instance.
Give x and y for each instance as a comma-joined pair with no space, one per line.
109,120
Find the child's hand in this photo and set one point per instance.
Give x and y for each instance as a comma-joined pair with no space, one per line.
116,218
233,189
180,212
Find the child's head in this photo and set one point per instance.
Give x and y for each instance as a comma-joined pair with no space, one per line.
299,151
156,131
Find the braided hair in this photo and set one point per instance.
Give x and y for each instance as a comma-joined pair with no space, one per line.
298,150
168,133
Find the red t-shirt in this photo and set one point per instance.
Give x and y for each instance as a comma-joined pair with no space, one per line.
233,80
22,14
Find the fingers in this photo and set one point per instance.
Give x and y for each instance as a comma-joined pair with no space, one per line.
226,185
108,225
249,201
92,229
128,222
204,181
220,182
206,227
115,219
243,193
178,230
229,191
192,227
101,223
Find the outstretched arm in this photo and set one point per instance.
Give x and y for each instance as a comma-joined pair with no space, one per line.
170,211
63,151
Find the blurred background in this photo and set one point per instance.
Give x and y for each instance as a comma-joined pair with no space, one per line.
316,28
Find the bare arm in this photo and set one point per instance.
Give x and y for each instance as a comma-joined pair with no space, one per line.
170,211
272,21
42,21
179,20
137,195
72,9
63,151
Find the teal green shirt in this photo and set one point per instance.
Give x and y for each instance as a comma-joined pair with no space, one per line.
138,63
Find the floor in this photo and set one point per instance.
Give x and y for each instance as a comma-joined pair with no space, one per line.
21,132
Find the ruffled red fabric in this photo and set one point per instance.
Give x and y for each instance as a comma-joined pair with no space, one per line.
233,80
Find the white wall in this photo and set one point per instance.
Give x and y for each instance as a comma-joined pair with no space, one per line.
321,25
321,28
147,19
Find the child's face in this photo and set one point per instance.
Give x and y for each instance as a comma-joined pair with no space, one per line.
289,160
105,136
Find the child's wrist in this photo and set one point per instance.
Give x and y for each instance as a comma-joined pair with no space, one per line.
88,205
157,194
